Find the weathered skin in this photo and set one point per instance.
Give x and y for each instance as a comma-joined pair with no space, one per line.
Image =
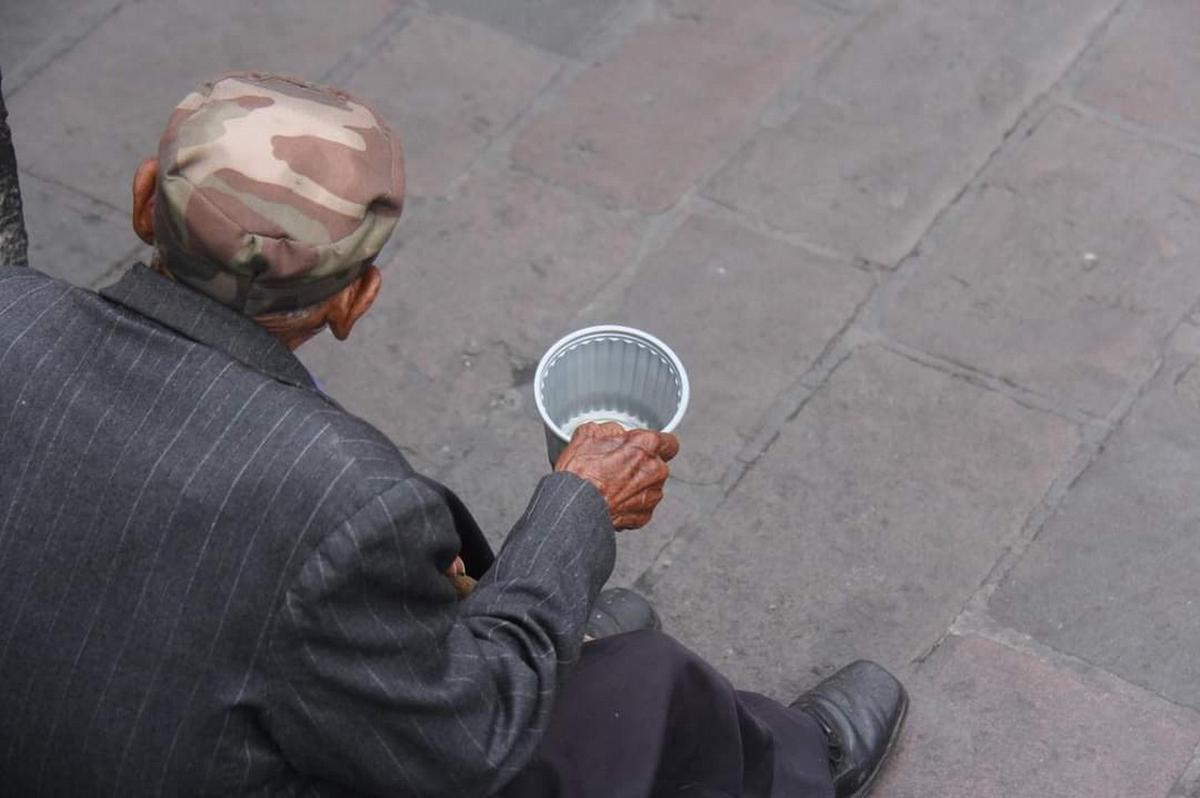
628,467
274,194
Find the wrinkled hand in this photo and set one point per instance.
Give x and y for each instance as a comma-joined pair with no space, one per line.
628,467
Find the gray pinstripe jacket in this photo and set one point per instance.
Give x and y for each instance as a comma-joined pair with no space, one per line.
213,580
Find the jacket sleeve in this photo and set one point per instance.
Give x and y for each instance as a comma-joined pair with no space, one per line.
382,681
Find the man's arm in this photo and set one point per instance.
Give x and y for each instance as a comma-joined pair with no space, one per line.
384,682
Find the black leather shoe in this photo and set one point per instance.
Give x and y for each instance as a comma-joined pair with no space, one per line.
861,709
617,611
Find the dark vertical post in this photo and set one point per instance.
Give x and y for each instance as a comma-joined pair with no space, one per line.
14,245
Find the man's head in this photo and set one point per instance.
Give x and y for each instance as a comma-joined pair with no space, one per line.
273,196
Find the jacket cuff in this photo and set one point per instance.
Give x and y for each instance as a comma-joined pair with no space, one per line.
567,522
565,539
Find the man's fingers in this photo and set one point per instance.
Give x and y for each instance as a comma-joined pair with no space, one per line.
668,445
650,498
627,466
659,444
609,429
644,439
632,520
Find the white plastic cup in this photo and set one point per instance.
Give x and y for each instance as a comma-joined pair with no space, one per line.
608,373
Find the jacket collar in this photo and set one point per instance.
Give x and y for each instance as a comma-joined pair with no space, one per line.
207,322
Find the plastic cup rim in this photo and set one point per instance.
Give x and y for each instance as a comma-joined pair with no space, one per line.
601,329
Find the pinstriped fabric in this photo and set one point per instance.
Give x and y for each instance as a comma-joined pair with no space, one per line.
495,665
215,581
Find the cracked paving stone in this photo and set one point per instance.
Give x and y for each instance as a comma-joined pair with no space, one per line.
561,26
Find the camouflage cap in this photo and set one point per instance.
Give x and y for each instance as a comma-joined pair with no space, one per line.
274,194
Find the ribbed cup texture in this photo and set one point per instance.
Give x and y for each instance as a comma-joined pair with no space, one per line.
613,377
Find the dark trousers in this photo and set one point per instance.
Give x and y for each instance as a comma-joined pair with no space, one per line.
643,716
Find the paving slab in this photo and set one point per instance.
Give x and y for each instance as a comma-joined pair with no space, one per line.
683,506
89,118
561,26
1150,72
504,459
1066,267
856,7
1188,785
480,285
990,722
865,527
33,33
1112,576
642,126
899,118
747,315
73,237
449,86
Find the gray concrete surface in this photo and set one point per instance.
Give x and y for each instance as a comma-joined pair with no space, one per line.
933,266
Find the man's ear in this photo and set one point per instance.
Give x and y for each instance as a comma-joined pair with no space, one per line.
145,183
352,302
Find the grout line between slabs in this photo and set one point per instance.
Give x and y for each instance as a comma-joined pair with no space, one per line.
661,225
1095,438
1118,122
1118,20
1188,783
864,325
107,207
786,407
57,46
497,151
622,23
659,230
1001,385
978,623
792,400
1095,432
115,269
368,46
717,209
831,5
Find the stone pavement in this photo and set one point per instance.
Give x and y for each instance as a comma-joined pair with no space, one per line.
933,266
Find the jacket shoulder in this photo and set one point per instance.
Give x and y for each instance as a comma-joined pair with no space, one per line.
21,281
338,452
22,273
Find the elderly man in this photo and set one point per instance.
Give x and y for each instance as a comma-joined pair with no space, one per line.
214,580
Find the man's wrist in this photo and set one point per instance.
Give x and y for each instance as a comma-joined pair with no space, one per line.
591,493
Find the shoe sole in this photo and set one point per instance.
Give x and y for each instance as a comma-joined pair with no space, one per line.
864,790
